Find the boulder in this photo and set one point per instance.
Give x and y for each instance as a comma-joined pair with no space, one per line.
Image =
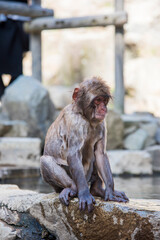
41,216
15,221
137,118
140,130
155,154
129,130
20,151
130,162
136,140
13,128
115,130
27,100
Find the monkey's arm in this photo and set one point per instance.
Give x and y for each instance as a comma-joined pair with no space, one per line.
77,173
104,170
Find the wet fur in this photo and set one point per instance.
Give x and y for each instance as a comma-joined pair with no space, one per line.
74,151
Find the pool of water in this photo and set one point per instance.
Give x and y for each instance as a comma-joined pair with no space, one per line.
139,187
134,187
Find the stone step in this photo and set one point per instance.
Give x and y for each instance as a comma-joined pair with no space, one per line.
130,162
135,162
155,154
20,151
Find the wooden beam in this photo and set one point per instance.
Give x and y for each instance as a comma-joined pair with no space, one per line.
119,59
118,19
35,47
23,9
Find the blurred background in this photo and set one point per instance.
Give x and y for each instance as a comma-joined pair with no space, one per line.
72,54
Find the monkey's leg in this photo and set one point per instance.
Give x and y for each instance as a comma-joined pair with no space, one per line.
56,176
96,184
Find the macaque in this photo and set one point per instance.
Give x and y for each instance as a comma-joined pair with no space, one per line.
74,152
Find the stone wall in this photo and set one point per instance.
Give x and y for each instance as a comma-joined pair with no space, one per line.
29,215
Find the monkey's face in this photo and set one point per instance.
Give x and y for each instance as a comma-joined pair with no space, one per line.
100,108
91,99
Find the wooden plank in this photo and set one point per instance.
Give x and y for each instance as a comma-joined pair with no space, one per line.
118,18
119,59
35,46
23,9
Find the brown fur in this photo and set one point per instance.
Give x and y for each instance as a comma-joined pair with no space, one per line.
91,88
88,90
74,151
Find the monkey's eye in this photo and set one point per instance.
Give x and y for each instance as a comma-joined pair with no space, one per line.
97,101
100,100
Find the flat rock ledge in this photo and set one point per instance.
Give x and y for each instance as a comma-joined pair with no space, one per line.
29,215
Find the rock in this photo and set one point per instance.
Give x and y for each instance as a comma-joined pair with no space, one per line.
136,140
60,95
20,151
158,136
137,119
115,130
33,216
149,142
4,116
129,130
151,129
4,128
143,114
13,128
27,100
155,154
130,162
7,232
17,223
8,187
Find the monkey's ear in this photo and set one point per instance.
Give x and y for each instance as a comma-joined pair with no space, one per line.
74,96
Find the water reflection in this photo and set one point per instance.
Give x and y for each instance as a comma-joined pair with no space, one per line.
134,187
139,187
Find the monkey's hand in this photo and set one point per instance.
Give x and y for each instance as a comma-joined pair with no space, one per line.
113,195
86,199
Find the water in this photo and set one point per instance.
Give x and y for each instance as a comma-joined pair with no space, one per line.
139,187
134,187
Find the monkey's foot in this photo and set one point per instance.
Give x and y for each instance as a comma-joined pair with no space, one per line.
121,195
65,195
116,196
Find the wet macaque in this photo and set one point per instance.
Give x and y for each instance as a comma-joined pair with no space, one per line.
74,152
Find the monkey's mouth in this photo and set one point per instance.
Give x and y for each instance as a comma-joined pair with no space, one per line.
100,117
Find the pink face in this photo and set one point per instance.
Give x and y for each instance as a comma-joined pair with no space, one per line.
100,104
